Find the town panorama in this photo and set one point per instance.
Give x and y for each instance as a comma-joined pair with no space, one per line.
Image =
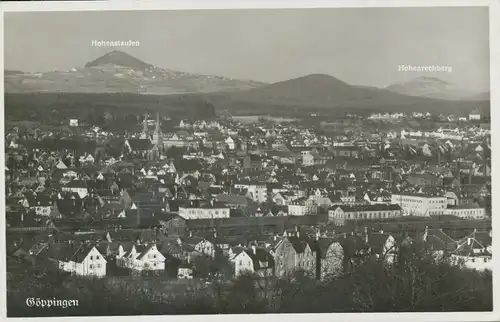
133,190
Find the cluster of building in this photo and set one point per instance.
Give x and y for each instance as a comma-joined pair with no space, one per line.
321,254
249,183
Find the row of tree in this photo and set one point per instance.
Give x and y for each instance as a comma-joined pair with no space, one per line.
415,283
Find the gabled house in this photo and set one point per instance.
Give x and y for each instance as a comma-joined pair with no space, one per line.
284,198
294,253
83,260
302,207
241,261
141,258
200,245
472,254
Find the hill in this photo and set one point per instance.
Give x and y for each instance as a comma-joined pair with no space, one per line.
320,91
431,87
119,72
483,96
119,58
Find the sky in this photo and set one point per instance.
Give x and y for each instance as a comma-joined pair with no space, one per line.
361,46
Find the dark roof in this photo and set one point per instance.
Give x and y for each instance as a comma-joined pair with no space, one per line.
260,256
139,144
376,241
352,243
233,199
145,251
70,252
299,244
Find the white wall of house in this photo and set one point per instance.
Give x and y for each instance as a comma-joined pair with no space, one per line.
257,192
205,247
242,263
42,210
151,260
296,210
203,213
467,213
94,264
81,191
479,263
414,205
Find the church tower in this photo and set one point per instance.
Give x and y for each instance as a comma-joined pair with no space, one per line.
144,134
157,135
157,138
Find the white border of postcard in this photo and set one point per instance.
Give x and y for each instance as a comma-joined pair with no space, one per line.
280,4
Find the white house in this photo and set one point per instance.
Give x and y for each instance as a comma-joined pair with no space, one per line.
466,212
478,263
43,208
231,145
141,258
420,204
302,207
242,263
283,198
87,159
61,165
205,247
256,191
86,260
342,213
475,116
200,245
204,212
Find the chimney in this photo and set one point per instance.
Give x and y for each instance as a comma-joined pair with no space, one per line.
254,249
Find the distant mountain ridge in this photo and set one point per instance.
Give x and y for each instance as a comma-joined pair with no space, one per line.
119,72
320,91
432,87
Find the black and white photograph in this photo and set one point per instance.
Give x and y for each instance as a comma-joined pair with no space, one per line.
248,161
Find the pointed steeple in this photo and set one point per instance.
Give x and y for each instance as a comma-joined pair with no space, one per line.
158,127
144,133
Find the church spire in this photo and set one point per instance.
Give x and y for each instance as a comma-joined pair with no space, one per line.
144,134
158,127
